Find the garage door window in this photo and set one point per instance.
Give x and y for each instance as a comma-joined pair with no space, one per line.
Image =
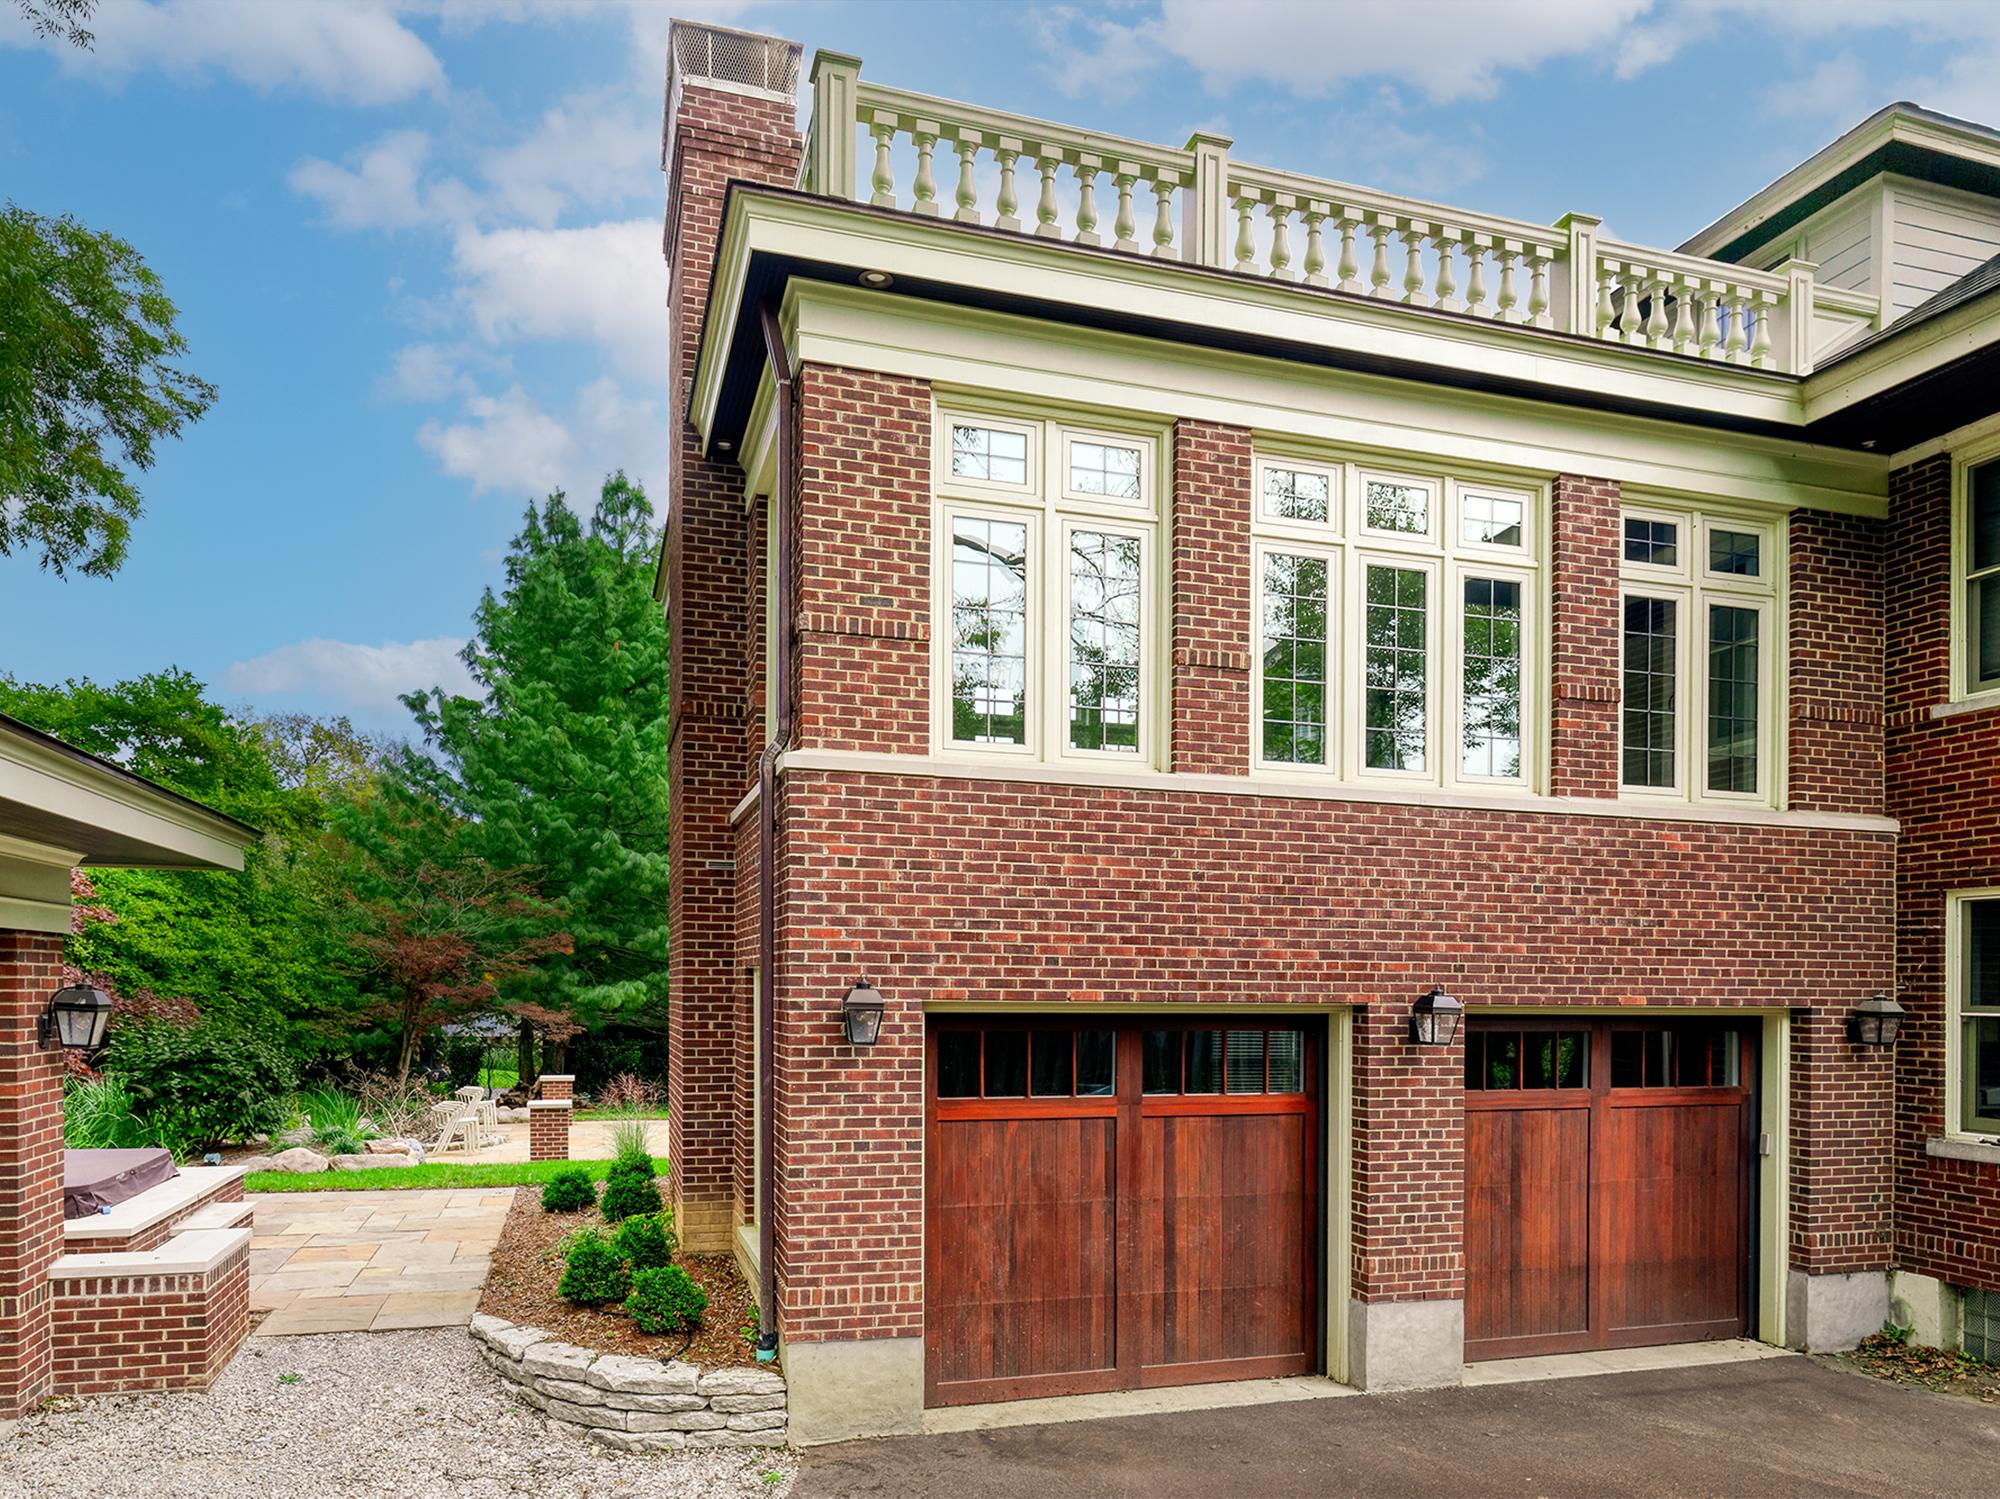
1497,1061
1023,1064
1218,1061
1676,1057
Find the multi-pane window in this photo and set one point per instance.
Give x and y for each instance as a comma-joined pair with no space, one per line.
1005,1063
1395,624
1503,1061
1047,558
1241,1060
1979,605
1973,948
1698,657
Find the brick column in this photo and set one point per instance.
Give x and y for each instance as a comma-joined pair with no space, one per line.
718,133
548,1129
556,1085
1211,601
1584,690
31,1104
1836,663
1407,1313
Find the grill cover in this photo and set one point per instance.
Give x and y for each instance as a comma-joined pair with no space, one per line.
97,1179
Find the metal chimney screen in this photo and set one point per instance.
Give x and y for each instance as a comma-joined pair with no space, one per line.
736,57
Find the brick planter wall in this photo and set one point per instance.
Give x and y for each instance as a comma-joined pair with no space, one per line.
635,1404
124,1332
548,1129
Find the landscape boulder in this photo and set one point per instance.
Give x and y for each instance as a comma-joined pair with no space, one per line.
366,1162
300,1160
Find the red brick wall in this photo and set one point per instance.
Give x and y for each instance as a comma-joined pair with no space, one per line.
1584,683
1408,1197
718,136
1944,785
1836,663
30,1166
548,1133
149,1332
864,574
1211,600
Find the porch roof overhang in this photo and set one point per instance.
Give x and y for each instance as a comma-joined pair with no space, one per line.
61,807
1903,388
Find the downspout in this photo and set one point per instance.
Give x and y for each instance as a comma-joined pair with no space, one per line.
767,844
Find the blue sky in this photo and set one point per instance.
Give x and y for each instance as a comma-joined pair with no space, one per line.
416,245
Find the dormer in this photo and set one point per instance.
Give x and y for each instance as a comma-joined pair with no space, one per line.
1901,208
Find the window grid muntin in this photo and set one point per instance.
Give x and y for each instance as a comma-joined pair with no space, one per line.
1486,634
1500,519
1397,620
1980,599
978,672
1280,498
1734,635
1103,469
1403,507
1974,982
1104,613
1649,685
970,453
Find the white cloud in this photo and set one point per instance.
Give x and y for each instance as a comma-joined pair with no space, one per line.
425,372
351,51
603,283
507,443
362,679
383,188
589,151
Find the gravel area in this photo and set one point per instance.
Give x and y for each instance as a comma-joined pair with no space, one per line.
401,1413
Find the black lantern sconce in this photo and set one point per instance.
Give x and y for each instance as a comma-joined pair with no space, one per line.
1875,1022
1434,1019
77,1015
861,1013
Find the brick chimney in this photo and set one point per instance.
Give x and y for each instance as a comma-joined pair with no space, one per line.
731,115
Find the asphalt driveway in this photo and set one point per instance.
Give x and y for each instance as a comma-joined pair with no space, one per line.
1766,1430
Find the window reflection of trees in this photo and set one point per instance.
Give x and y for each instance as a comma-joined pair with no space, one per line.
1492,657
1104,641
990,631
1395,669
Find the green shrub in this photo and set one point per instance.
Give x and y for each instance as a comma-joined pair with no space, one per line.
665,1300
647,1239
98,1115
203,1085
627,1192
593,1271
335,1120
568,1192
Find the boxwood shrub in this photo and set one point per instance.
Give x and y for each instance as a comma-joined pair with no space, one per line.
647,1239
593,1271
628,1192
665,1300
568,1192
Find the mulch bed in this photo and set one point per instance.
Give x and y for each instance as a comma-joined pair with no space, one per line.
528,1263
1943,1369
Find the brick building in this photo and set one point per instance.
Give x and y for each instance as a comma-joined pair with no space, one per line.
1225,617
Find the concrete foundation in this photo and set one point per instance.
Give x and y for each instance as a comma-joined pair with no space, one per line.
1827,1313
1925,1305
869,1387
1405,1345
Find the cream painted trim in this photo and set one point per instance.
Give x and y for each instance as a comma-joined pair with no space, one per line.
1172,292
1774,1178
31,852
177,834
1958,437
952,768
743,808
1370,417
1881,367
1339,1151
1963,462
1954,1020
20,914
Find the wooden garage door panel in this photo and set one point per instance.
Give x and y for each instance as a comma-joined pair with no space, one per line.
1673,1214
1527,1223
1022,1249
1225,1252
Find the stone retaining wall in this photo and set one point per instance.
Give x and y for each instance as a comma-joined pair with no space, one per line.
635,1404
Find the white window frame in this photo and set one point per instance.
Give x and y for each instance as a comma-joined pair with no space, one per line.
1050,512
1336,634
1956,958
1963,688
1695,588
1350,547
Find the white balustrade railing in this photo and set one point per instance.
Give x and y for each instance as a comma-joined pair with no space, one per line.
933,157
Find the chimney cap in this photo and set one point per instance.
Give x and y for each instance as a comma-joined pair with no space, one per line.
733,61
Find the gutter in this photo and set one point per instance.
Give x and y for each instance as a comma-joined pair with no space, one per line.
767,842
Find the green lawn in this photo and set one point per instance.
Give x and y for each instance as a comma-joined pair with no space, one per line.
430,1174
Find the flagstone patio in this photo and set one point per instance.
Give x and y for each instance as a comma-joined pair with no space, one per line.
371,1261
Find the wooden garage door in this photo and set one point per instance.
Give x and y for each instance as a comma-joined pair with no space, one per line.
1115,1206
1607,1184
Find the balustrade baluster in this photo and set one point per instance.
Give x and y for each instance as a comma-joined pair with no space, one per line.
1413,265
926,184
1378,277
884,179
1538,288
1760,340
1163,220
1279,212
1125,225
1509,298
1475,276
1007,204
1246,241
1739,337
1656,313
1349,269
1046,162
1315,266
1711,325
1447,278
1606,311
1086,200
968,191
1683,333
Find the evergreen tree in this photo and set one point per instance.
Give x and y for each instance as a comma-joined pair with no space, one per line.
560,771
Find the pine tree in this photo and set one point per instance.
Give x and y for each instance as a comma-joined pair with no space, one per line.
561,769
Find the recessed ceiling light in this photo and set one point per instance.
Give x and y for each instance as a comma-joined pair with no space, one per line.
723,444
877,279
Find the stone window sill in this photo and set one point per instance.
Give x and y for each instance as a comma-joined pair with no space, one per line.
1959,706
1957,1148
